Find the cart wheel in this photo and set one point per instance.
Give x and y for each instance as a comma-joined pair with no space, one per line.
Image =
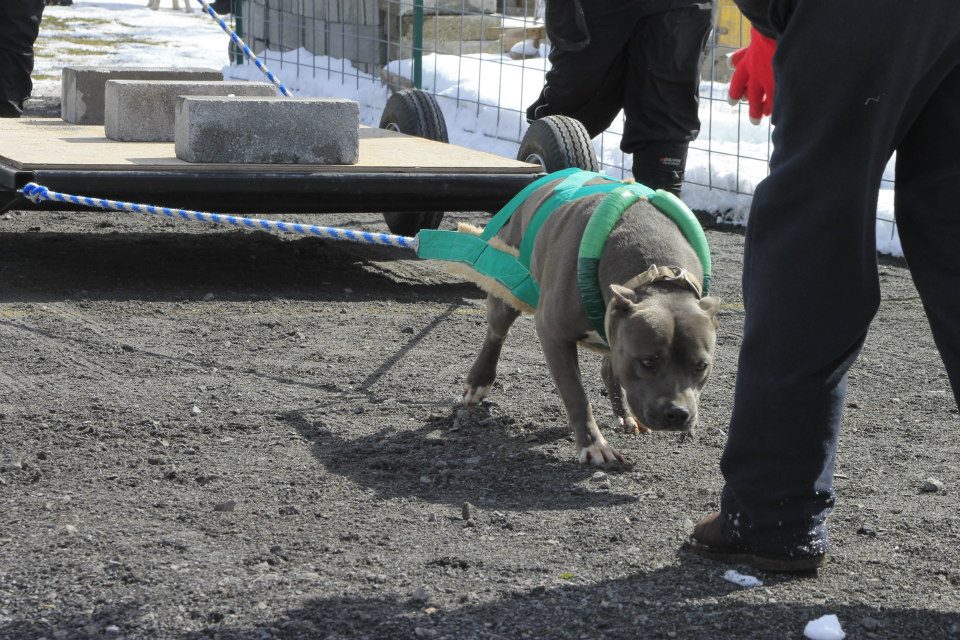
414,113
558,142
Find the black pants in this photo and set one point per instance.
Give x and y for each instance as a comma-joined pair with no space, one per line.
844,103
643,57
19,27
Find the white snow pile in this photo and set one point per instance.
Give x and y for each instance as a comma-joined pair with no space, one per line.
741,579
824,628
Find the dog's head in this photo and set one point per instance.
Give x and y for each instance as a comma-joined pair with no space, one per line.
661,348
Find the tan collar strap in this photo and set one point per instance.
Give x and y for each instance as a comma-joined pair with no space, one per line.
678,275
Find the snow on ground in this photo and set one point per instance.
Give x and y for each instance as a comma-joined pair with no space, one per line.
123,33
741,579
483,96
824,628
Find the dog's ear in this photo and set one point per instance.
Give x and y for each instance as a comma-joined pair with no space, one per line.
622,298
711,304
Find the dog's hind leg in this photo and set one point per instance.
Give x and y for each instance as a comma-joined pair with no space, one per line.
500,317
625,420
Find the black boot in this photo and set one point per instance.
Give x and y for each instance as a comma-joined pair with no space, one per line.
9,109
223,7
660,165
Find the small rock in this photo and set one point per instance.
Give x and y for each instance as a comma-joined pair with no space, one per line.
226,506
189,451
289,510
10,467
207,297
577,490
472,462
423,632
866,530
112,629
195,410
932,485
420,594
461,418
425,480
406,330
599,476
468,511
870,624
432,518
434,437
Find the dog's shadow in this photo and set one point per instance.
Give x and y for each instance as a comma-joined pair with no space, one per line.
465,455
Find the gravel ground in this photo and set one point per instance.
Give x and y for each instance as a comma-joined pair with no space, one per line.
219,434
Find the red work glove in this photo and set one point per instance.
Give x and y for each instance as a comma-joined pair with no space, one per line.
753,75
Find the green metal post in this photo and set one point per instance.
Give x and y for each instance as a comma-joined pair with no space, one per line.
418,44
238,57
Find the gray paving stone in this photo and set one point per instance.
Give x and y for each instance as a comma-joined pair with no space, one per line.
82,88
143,110
249,130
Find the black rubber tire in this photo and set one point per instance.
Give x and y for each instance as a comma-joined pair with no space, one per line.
558,142
414,113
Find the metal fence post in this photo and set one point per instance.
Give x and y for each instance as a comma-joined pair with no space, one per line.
238,57
418,44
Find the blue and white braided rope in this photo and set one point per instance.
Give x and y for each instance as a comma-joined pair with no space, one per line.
37,193
246,50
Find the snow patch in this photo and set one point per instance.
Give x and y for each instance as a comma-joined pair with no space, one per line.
741,579
824,628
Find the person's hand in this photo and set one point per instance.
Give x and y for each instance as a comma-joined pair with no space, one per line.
753,75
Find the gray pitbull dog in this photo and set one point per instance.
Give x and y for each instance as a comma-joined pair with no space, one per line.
661,334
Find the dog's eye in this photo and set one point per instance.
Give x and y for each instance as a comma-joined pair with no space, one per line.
648,363
702,365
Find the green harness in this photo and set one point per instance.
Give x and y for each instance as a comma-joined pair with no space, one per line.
513,272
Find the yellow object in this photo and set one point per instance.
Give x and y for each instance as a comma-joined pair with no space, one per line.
733,30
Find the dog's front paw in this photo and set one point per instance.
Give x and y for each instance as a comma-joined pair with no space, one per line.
473,395
631,425
600,454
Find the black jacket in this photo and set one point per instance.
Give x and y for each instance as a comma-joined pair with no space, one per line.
758,12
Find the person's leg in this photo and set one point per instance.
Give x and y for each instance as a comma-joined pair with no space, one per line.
588,84
19,27
660,97
810,283
928,170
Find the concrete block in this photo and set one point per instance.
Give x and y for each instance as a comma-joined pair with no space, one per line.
143,110
355,42
248,130
315,36
443,7
284,28
82,88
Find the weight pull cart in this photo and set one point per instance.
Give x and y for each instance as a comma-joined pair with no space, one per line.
407,169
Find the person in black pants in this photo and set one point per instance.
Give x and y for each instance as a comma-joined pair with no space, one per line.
842,105
642,56
19,27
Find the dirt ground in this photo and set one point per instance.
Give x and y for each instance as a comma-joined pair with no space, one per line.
219,434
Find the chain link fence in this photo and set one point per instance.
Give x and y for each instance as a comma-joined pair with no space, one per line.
485,61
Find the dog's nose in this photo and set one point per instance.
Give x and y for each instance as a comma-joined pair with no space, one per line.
676,416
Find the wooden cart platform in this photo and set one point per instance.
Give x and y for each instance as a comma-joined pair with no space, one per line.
396,173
